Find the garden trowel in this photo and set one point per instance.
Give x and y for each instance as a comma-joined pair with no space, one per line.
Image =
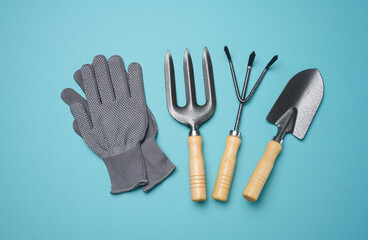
293,113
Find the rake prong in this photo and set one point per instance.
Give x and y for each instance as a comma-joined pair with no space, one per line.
272,61
189,79
250,64
227,52
209,86
252,56
247,75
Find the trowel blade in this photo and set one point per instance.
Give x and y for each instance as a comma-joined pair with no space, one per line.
298,102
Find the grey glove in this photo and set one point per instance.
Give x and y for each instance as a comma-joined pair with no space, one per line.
113,121
158,166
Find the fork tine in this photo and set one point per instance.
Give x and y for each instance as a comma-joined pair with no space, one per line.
170,82
189,79
209,85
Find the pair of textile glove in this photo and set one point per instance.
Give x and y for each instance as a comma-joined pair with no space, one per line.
117,125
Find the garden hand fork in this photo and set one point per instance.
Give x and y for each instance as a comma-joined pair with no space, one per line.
192,114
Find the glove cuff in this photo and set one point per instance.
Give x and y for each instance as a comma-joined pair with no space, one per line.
127,171
158,167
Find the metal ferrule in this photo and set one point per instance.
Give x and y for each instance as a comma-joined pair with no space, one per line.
277,139
234,133
194,133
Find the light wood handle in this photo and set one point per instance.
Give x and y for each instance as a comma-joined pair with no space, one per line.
262,171
226,170
196,168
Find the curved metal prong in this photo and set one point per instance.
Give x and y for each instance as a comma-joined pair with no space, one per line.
272,61
189,79
244,99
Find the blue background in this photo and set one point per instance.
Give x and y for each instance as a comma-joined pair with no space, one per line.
53,187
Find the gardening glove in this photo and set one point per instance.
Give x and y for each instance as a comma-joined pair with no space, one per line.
158,166
113,119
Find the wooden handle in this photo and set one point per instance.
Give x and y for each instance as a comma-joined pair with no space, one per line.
226,170
262,171
196,168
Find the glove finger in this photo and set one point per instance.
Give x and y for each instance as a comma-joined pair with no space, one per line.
69,96
90,87
118,77
136,82
80,115
78,108
79,80
104,83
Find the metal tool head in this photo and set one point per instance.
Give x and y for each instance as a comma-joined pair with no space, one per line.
242,99
192,114
296,106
